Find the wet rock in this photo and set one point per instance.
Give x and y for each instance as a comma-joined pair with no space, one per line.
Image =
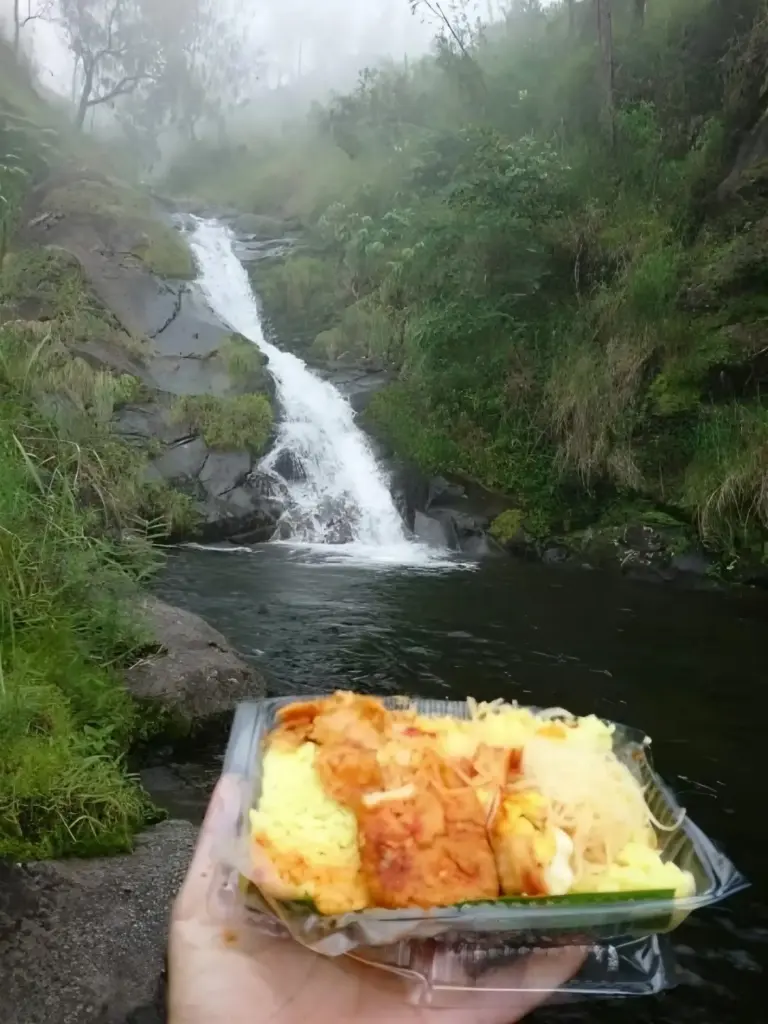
250,250
149,421
289,466
183,375
442,490
359,386
84,940
247,514
410,491
239,518
338,531
555,555
435,532
463,524
481,547
196,674
222,472
643,539
181,462
694,563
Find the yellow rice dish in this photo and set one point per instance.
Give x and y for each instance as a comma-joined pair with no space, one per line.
363,806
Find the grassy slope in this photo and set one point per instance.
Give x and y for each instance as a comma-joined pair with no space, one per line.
23,109
576,325
69,491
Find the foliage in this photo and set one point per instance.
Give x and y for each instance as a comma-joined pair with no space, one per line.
112,48
528,231
244,362
229,424
65,720
507,526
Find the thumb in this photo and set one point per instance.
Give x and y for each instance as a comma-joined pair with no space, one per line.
218,827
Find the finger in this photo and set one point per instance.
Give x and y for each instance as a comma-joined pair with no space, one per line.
219,826
509,994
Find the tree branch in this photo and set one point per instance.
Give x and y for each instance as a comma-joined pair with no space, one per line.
123,88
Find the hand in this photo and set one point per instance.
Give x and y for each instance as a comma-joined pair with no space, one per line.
238,975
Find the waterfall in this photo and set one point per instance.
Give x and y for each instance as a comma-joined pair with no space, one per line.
337,492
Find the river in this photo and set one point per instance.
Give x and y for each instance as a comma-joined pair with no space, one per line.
384,614
687,668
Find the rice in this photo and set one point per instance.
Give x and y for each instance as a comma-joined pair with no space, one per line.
310,838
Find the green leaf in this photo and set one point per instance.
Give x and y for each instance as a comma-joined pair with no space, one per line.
575,899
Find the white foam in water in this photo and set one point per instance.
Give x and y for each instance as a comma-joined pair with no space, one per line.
343,486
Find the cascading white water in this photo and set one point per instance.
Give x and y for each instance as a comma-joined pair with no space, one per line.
342,492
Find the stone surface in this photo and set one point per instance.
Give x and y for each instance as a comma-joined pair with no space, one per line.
182,461
358,385
434,532
197,674
149,421
179,338
288,465
222,472
441,489
83,942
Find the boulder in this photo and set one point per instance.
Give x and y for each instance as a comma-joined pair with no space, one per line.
84,940
463,524
435,532
181,462
410,491
196,673
443,491
289,466
147,422
481,547
222,472
359,385
252,508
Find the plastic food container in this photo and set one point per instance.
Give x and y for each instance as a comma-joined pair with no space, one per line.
447,949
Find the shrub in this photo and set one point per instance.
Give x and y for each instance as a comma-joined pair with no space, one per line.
229,424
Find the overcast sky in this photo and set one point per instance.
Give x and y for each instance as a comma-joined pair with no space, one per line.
292,34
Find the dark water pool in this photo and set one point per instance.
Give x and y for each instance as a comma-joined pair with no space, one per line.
689,668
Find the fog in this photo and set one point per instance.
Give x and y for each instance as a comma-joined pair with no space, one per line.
231,69
324,44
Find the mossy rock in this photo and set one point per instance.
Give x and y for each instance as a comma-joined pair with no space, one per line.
132,215
240,423
508,528
245,363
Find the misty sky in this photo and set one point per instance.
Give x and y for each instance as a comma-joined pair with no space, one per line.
292,35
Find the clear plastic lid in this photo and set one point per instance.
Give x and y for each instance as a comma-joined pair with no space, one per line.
591,921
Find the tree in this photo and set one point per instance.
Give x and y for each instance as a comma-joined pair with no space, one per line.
640,8
604,11
23,14
452,19
206,68
113,49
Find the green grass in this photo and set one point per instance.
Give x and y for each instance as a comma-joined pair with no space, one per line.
244,362
301,294
65,719
726,482
229,424
263,178
507,526
49,285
